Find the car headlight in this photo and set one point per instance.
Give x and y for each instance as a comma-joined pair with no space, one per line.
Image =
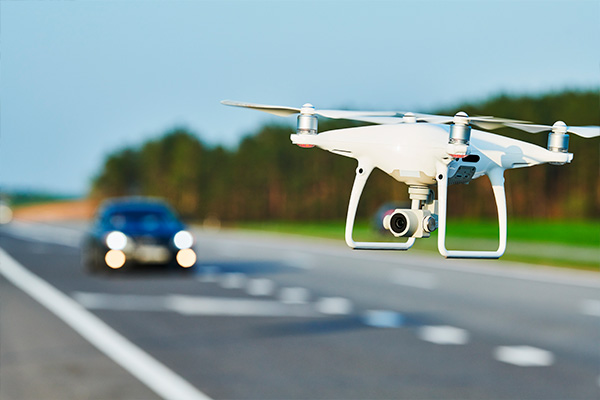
116,240
183,240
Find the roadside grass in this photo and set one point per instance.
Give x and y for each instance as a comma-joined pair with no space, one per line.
573,244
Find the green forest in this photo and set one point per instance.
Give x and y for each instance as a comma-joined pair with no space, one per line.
268,178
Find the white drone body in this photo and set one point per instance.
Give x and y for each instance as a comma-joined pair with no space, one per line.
423,155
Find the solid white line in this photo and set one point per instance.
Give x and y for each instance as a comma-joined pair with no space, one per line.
147,369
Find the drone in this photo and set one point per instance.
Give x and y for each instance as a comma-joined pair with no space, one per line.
424,151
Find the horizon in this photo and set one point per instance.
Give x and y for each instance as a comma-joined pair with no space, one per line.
64,195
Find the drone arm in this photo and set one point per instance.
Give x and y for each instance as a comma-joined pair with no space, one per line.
362,175
496,176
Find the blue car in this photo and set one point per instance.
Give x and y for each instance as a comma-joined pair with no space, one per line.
135,231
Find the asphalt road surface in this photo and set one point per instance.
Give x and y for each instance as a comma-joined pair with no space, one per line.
276,317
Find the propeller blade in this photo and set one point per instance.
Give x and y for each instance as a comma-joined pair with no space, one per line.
490,123
434,119
280,111
585,131
531,128
378,120
343,114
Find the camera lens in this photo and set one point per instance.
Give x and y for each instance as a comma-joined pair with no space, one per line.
398,223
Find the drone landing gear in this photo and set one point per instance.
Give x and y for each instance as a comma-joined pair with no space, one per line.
496,176
362,175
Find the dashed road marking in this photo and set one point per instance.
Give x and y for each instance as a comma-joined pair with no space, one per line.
524,356
334,306
445,335
260,287
294,295
191,305
194,305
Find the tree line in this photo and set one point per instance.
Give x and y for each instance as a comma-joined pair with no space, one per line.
266,177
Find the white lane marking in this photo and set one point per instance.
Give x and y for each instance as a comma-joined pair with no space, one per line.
446,335
193,305
124,302
383,319
524,356
334,306
234,280
294,295
590,307
190,305
140,364
417,279
260,287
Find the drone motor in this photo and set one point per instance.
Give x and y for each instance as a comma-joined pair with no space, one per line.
307,122
460,134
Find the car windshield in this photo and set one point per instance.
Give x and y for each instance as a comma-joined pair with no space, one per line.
146,220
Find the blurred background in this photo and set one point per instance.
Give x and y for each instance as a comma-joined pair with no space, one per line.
104,99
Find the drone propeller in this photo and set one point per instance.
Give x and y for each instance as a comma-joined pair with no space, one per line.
399,117
280,111
559,127
284,111
377,117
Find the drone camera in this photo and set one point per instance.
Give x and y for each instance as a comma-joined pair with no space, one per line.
410,223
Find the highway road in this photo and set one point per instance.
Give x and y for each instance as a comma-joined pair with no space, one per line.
278,317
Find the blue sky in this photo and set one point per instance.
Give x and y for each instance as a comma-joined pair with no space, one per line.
81,79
